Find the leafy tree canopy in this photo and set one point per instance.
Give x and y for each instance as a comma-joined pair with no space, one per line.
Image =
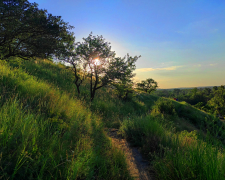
26,31
102,66
124,67
149,85
98,63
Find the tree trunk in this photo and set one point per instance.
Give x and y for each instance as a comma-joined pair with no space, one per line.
95,86
92,95
76,79
78,89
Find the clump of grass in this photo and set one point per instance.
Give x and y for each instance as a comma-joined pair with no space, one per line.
190,158
164,106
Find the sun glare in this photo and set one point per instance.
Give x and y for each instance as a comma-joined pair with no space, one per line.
96,62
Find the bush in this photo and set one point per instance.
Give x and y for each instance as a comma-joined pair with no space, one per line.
164,106
199,105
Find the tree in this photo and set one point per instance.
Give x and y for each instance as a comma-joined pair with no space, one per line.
100,64
149,85
26,31
124,84
218,101
194,91
177,91
215,88
207,91
78,68
124,89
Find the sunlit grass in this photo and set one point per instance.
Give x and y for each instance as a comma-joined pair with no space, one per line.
175,155
47,132
105,104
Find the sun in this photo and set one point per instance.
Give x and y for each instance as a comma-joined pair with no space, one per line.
97,62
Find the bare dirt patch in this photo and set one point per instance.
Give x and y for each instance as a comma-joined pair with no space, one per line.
139,168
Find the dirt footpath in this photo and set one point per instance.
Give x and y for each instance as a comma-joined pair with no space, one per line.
138,167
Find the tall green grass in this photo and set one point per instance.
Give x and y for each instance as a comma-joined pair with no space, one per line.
106,104
48,134
205,122
175,155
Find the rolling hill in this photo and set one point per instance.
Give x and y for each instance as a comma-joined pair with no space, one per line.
48,132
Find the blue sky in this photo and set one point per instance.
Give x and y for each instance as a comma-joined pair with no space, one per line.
182,43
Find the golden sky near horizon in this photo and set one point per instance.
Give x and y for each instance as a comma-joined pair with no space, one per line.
184,76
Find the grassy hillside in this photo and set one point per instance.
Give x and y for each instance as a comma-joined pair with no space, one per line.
47,132
169,137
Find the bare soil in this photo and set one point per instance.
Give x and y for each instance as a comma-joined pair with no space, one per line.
139,168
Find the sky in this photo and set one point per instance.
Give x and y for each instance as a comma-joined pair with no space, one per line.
181,43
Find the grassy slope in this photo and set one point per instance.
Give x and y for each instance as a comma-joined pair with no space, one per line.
48,134
170,138
52,134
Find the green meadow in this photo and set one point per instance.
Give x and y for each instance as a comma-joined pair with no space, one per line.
47,131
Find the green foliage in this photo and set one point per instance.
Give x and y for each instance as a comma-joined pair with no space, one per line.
191,159
208,99
48,134
63,137
218,101
199,105
124,67
174,156
27,31
164,106
99,66
206,122
149,85
124,90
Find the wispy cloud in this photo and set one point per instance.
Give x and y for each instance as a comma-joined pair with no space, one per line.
213,64
197,65
171,68
145,69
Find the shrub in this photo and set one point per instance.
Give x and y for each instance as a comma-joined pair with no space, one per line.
164,106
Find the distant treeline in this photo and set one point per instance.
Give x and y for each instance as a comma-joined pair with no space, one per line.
208,99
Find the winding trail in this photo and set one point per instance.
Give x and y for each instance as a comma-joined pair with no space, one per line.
139,168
